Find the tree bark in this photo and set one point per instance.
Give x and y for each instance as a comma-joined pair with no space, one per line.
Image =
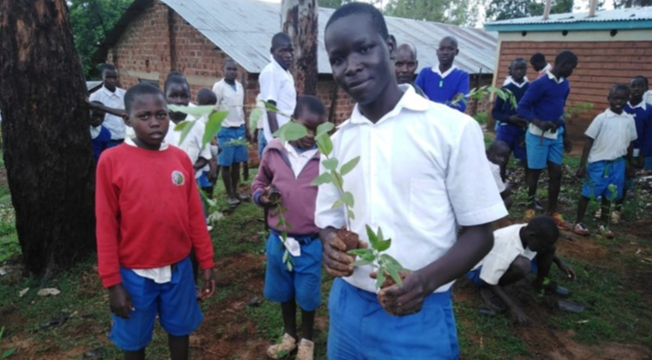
45,132
299,21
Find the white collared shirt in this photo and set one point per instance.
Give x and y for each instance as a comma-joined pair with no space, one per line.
192,144
116,100
545,70
160,275
298,160
510,80
417,179
436,69
612,134
641,105
496,174
276,83
231,100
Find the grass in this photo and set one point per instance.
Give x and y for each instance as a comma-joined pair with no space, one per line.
613,291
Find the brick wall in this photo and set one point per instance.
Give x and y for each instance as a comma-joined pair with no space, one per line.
601,64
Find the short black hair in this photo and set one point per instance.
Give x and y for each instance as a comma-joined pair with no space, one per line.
518,60
139,90
311,103
206,97
498,145
278,38
355,8
538,58
544,228
620,87
174,77
97,111
640,77
566,57
107,67
227,61
450,38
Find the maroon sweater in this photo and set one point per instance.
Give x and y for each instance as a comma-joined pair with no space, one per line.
297,195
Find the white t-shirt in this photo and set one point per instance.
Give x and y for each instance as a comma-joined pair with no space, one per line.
231,100
507,246
417,179
116,100
192,144
496,173
612,134
298,160
277,84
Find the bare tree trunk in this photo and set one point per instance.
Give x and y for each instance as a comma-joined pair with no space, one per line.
299,21
45,132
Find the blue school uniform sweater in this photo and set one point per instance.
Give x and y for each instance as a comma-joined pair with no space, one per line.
444,90
643,125
101,142
544,100
502,110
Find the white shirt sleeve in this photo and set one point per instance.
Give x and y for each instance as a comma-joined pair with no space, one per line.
269,84
496,173
473,202
595,127
496,264
325,215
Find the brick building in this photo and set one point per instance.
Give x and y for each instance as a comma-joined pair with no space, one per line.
196,36
612,47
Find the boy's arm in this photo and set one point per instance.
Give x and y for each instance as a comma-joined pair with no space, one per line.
498,111
198,232
543,260
528,101
110,110
571,274
262,180
582,168
107,213
463,88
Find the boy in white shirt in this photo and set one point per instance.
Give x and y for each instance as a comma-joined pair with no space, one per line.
418,160
518,250
608,139
112,97
497,156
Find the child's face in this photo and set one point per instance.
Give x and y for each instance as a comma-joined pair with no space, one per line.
566,69
618,100
150,120
446,52
283,53
499,156
311,121
518,71
637,88
178,94
230,71
110,79
360,58
97,118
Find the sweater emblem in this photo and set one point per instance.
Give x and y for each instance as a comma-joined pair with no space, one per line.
178,178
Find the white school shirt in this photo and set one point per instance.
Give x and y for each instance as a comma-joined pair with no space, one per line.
436,69
276,83
612,134
192,144
417,179
298,160
116,100
232,101
496,174
648,97
507,246
510,80
545,70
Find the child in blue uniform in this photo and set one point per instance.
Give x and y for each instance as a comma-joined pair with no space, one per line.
100,135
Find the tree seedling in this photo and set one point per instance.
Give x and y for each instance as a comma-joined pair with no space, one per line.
282,225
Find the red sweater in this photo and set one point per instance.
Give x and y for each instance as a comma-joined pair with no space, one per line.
148,211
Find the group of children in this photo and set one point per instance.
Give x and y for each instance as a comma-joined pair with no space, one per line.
150,224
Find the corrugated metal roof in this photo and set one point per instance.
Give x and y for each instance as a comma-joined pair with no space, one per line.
626,15
243,29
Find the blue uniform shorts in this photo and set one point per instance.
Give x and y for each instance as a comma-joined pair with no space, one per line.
475,275
262,143
203,180
303,283
602,174
175,303
232,154
539,154
513,136
359,328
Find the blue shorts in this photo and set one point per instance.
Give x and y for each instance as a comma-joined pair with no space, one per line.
262,143
602,174
475,275
203,180
359,328
539,154
232,154
513,136
303,283
175,303
647,163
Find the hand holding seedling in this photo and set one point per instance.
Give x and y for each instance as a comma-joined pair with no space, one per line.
120,302
408,298
208,286
335,259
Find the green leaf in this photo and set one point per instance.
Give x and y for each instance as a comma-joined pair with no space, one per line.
360,263
194,111
254,117
291,131
350,214
8,353
213,126
383,244
360,252
330,164
337,204
347,198
324,145
185,127
374,241
285,256
270,106
349,166
379,234
380,278
387,259
394,274
369,257
337,180
324,129
324,178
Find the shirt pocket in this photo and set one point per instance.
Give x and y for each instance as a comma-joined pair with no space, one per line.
428,200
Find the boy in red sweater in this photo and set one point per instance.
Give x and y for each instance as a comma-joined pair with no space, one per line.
149,217
289,169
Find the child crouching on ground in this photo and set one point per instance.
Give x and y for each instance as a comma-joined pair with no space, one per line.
149,217
289,170
609,139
